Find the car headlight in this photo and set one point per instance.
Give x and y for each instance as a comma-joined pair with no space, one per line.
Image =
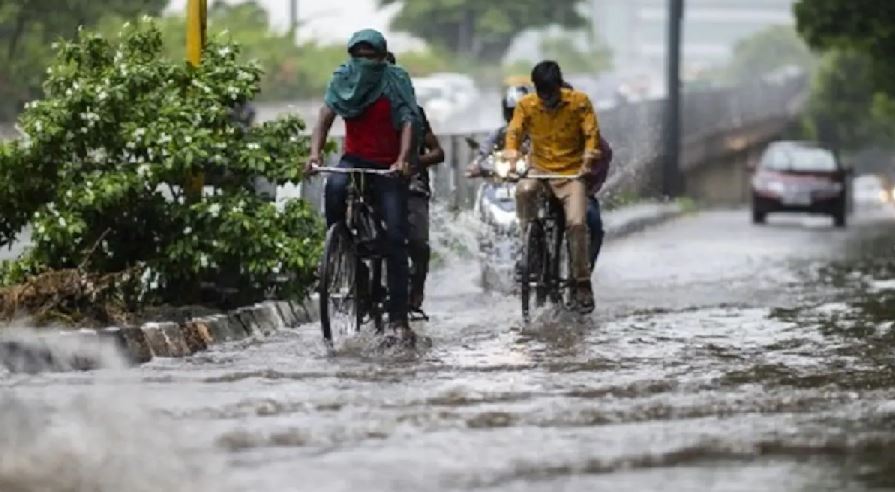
775,187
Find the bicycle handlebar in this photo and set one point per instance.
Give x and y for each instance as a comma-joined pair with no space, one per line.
487,174
552,176
355,170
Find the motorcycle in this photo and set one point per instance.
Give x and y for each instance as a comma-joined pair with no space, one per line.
495,208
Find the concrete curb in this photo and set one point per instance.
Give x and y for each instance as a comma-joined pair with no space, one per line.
141,344
629,220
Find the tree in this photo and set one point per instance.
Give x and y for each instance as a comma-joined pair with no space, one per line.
483,30
867,26
98,175
766,51
842,100
852,27
572,59
28,27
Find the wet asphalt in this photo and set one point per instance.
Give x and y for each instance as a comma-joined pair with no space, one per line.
722,356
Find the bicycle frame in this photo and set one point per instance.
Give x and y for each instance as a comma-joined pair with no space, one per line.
364,228
358,207
551,222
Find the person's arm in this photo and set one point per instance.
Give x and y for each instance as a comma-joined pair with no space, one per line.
400,165
434,153
488,146
516,132
590,128
325,119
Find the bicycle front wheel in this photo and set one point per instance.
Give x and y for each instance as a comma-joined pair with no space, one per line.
533,250
340,312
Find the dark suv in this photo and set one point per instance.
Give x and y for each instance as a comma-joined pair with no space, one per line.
799,177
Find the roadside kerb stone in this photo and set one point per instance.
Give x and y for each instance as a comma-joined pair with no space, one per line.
307,310
158,342
130,341
267,317
220,328
246,316
237,327
177,345
286,313
193,336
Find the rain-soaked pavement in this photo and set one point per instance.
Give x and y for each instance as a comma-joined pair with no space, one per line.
722,356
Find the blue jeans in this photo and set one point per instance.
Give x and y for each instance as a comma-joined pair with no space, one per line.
390,197
595,227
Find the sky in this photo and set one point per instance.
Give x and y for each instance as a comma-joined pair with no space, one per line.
330,21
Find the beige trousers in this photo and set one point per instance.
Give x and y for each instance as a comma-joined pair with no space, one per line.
572,193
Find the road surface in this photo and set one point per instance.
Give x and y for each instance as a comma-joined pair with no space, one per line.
722,356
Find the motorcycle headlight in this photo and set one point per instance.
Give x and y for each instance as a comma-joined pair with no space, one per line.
522,167
502,167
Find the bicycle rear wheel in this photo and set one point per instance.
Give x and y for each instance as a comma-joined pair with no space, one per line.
340,312
533,266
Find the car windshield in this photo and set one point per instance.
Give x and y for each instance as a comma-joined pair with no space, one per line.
798,158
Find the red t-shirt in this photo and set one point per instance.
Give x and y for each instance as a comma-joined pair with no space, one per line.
372,136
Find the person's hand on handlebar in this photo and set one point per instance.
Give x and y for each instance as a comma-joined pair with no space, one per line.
474,170
312,165
401,167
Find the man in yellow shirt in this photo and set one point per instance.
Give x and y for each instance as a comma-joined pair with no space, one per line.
565,139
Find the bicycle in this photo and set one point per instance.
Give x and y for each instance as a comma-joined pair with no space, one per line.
546,259
350,288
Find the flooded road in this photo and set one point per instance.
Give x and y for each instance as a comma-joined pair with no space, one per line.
722,356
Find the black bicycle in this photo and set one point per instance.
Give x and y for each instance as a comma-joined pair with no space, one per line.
545,256
351,290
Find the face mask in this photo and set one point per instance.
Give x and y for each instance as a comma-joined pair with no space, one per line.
368,62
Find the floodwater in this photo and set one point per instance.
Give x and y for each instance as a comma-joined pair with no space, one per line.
722,356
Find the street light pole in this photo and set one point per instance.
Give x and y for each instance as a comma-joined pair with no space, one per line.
196,24
672,183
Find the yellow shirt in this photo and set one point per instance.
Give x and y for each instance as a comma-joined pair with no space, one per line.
559,138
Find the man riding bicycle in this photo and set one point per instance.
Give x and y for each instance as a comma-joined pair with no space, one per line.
377,102
565,140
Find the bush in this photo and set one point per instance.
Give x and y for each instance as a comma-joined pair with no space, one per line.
99,175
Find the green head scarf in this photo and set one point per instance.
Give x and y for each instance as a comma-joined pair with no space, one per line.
360,82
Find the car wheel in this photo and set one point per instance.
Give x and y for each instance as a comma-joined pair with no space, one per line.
758,216
839,217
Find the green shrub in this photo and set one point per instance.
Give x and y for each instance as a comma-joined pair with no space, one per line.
99,175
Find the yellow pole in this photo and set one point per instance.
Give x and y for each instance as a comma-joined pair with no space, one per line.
196,22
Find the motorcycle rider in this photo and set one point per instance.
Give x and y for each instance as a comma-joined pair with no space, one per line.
565,140
431,154
497,139
377,102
